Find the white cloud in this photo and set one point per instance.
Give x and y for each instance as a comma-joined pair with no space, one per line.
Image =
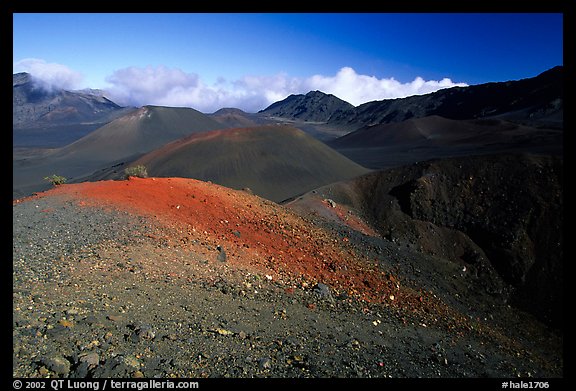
173,87
49,75
158,86
358,89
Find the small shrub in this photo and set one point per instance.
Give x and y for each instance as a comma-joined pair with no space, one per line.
138,171
55,179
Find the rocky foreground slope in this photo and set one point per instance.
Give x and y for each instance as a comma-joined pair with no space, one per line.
170,277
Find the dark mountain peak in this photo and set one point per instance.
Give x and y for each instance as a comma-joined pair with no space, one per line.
280,103
556,71
314,106
535,101
317,94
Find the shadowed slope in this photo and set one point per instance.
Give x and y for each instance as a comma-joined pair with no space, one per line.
440,131
418,139
275,162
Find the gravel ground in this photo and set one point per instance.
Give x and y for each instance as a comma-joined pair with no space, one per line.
101,293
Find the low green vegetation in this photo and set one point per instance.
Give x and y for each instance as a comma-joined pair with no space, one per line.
55,179
138,171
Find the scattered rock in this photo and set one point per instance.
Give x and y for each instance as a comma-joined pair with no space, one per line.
130,362
265,363
354,344
57,364
145,332
66,323
91,319
222,331
323,292
221,254
297,361
115,318
91,359
330,202
58,333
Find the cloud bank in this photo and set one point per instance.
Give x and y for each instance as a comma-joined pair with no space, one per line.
165,86
358,89
174,87
49,75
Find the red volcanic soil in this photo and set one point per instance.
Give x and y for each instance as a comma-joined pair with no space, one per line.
253,232
267,238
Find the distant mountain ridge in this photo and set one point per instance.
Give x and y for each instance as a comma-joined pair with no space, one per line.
536,101
35,106
51,117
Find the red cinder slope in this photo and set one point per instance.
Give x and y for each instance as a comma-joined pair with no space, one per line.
255,233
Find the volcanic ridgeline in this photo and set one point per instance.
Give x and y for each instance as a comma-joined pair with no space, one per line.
535,101
274,161
117,142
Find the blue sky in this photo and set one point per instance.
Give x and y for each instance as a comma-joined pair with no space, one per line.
209,61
